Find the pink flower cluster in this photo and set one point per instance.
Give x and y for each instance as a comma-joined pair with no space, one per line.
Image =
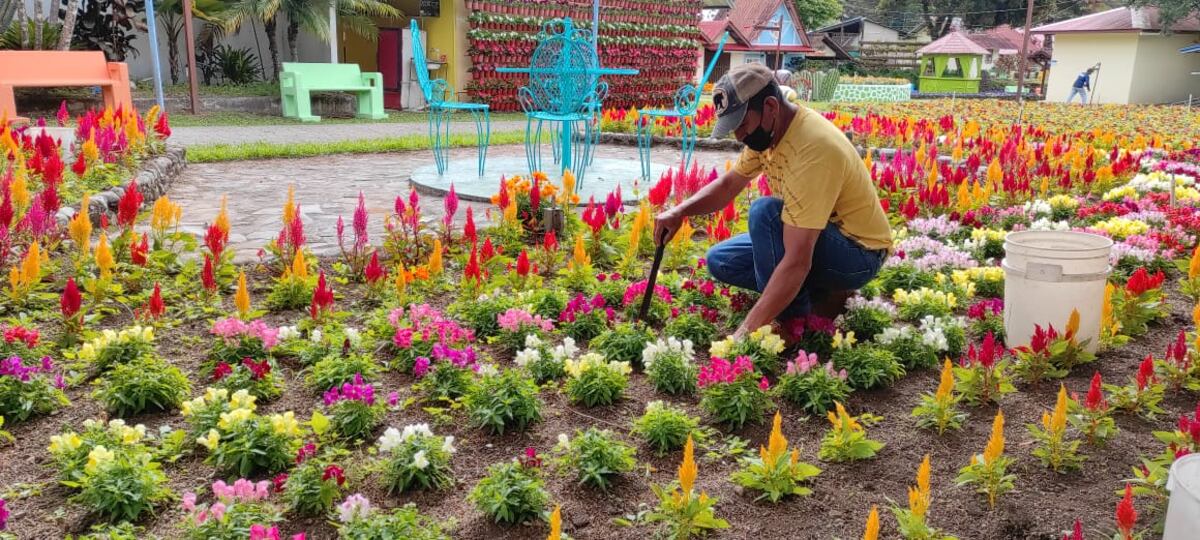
516,319
242,490
16,333
985,308
811,323
720,370
805,362
635,290
14,367
262,532
233,328
459,358
580,305
356,391
426,323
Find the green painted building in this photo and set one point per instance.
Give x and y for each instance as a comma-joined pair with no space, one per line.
953,63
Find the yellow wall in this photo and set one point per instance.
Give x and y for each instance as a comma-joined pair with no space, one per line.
1073,53
447,33
1162,73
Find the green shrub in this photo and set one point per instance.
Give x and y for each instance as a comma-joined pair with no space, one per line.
665,427
401,523
122,484
624,343
596,455
315,483
145,384
811,386
337,369
21,399
593,381
693,327
504,401
669,367
415,459
510,493
868,366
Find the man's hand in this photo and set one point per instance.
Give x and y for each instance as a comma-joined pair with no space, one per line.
666,225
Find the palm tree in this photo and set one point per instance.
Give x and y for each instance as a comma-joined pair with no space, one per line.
242,11
313,17
170,12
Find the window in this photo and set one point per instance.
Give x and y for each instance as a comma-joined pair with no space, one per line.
929,67
754,58
953,68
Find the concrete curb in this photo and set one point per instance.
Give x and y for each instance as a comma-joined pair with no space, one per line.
154,177
703,143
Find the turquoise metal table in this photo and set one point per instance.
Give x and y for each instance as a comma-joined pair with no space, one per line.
563,87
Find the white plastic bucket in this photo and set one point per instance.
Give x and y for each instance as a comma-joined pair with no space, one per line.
1047,274
1183,512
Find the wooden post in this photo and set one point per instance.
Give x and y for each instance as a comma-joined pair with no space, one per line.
1024,51
190,40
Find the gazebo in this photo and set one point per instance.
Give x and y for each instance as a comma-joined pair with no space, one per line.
951,64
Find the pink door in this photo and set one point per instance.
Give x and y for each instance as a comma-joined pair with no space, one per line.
388,57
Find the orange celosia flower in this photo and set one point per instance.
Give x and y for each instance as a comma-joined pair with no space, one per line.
555,523
872,530
920,496
776,443
435,258
1073,325
289,206
80,228
241,299
1194,264
222,221
687,469
1196,316
299,266
104,257
165,214
19,190
1057,422
568,192
946,384
579,257
995,444
685,233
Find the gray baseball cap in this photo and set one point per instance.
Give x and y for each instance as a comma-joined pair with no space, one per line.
731,93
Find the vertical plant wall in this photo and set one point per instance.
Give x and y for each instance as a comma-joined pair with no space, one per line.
661,39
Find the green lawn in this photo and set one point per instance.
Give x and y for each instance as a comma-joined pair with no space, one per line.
210,153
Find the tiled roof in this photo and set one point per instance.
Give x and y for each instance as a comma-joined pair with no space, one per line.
953,43
1004,37
1122,19
742,22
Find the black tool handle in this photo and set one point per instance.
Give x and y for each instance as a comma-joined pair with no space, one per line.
658,255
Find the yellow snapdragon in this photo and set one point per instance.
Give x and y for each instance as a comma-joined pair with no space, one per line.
234,417
1063,202
98,458
286,424
903,297
210,440
575,368
66,442
767,340
1120,228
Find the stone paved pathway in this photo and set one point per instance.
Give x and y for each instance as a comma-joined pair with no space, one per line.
328,187
299,133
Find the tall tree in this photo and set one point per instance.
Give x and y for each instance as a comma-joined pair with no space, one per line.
938,14
313,17
1170,11
248,11
170,14
817,13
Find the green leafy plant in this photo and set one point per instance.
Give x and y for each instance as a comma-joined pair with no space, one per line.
111,347
315,483
291,291
913,520
867,318
511,493
691,326
811,386
597,456
145,384
415,458
358,523
334,370
1055,450
26,391
665,427
505,401
1143,395
733,393
669,367
867,366
1093,417
847,438
684,512
481,313
244,504
545,363
445,380
914,305
776,472
909,346
982,376
939,410
624,343
354,412
244,443
1050,355
592,381
121,484
988,471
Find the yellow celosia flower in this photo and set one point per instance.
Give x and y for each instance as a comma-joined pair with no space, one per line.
19,191
1108,322
920,496
299,267
842,419
104,257
165,214
289,206
435,257
1073,324
555,523
80,228
579,256
685,233
98,458
222,220
568,192
1194,264
91,152
995,444
210,440
1196,316
946,384
872,530
1057,422
776,443
241,299
687,469
510,213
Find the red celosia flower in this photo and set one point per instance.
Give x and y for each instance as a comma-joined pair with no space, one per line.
138,251
374,272
1145,374
1126,514
322,297
334,472
1141,281
207,277
128,206
450,205
729,214
472,270
1095,397
63,116
214,239
535,196
221,370
502,197
612,203
70,301
661,191
79,167
593,216
155,307
523,264
1077,532
550,241
163,126
487,252
469,227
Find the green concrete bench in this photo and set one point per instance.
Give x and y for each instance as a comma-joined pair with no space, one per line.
298,80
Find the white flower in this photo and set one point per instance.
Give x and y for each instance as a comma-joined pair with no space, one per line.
288,332
527,356
419,460
390,440
448,445
413,430
564,351
563,440
354,507
532,341
315,336
488,370
354,336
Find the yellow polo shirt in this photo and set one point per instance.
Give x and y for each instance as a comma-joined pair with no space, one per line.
821,179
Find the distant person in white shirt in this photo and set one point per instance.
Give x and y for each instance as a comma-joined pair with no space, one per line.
783,77
1082,85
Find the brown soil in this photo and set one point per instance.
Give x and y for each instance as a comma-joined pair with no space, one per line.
1042,507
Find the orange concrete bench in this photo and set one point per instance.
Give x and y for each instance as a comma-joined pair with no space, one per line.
62,68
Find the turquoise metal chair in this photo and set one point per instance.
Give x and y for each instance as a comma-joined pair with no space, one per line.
435,92
565,89
687,100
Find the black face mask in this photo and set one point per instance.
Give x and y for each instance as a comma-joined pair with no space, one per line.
758,140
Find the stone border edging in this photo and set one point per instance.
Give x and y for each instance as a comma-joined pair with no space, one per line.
153,178
703,143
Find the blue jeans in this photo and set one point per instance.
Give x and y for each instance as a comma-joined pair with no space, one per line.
1081,92
748,260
